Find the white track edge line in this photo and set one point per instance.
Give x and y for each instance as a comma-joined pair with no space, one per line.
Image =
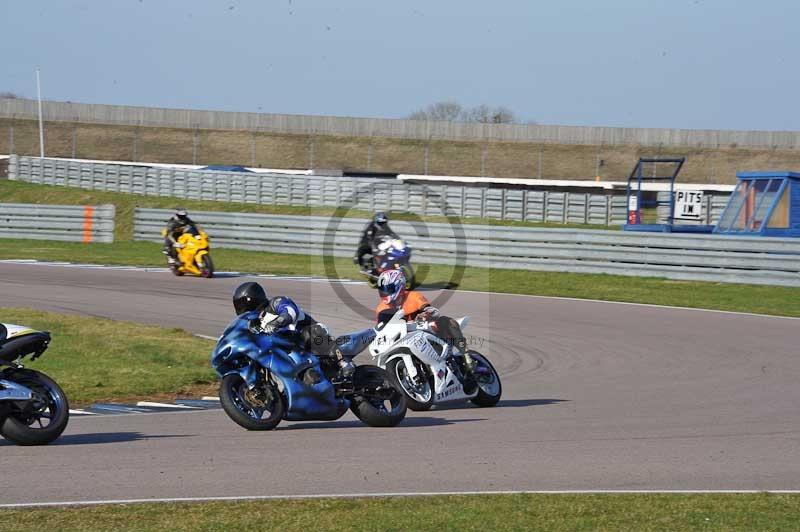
393,494
153,404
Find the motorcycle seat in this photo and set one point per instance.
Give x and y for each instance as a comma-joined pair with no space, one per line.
18,346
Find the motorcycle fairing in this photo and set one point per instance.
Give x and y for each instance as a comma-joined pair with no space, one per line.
395,341
240,350
196,246
390,252
446,385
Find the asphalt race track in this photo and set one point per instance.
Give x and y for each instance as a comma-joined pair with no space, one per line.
596,396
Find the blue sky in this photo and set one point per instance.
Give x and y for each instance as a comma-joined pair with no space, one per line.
684,64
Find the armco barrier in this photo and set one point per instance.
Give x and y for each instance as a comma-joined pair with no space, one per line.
688,257
57,222
315,191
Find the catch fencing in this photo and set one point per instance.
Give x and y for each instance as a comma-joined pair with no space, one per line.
770,261
69,223
372,127
345,193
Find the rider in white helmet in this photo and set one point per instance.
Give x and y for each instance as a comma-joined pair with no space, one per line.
394,296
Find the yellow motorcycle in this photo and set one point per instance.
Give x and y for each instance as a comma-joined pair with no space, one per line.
193,254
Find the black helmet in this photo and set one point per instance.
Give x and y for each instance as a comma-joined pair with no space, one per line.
181,214
247,297
380,218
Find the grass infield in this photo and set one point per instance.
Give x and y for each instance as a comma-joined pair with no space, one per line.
635,512
97,360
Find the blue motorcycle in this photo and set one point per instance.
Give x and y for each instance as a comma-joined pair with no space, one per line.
391,253
267,378
33,408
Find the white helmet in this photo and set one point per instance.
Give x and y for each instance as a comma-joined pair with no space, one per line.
391,285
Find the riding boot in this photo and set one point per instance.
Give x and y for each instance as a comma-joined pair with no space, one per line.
346,367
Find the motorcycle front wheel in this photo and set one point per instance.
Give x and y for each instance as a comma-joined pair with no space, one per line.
258,409
489,387
377,402
372,279
44,418
419,395
176,270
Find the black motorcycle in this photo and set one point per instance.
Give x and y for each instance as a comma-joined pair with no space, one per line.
33,408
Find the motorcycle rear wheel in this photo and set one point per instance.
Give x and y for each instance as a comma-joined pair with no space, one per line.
489,387
207,267
386,406
239,402
419,399
51,405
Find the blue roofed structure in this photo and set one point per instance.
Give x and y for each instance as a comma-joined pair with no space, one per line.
763,204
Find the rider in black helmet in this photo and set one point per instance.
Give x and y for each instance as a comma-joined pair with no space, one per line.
312,335
177,225
373,232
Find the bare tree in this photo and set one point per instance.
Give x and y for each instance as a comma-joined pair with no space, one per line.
9,95
490,115
454,112
446,111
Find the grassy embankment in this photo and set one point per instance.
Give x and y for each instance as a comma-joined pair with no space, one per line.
379,154
641,513
744,298
97,360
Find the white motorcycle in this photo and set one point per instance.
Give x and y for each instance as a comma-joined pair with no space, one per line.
33,408
430,370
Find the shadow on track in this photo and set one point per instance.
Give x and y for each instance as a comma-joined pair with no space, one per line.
504,403
102,437
408,422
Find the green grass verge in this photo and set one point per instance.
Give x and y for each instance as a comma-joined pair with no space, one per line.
96,359
775,300
21,192
458,513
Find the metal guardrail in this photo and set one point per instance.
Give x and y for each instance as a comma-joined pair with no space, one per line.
370,127
323,191
58,222
715,258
